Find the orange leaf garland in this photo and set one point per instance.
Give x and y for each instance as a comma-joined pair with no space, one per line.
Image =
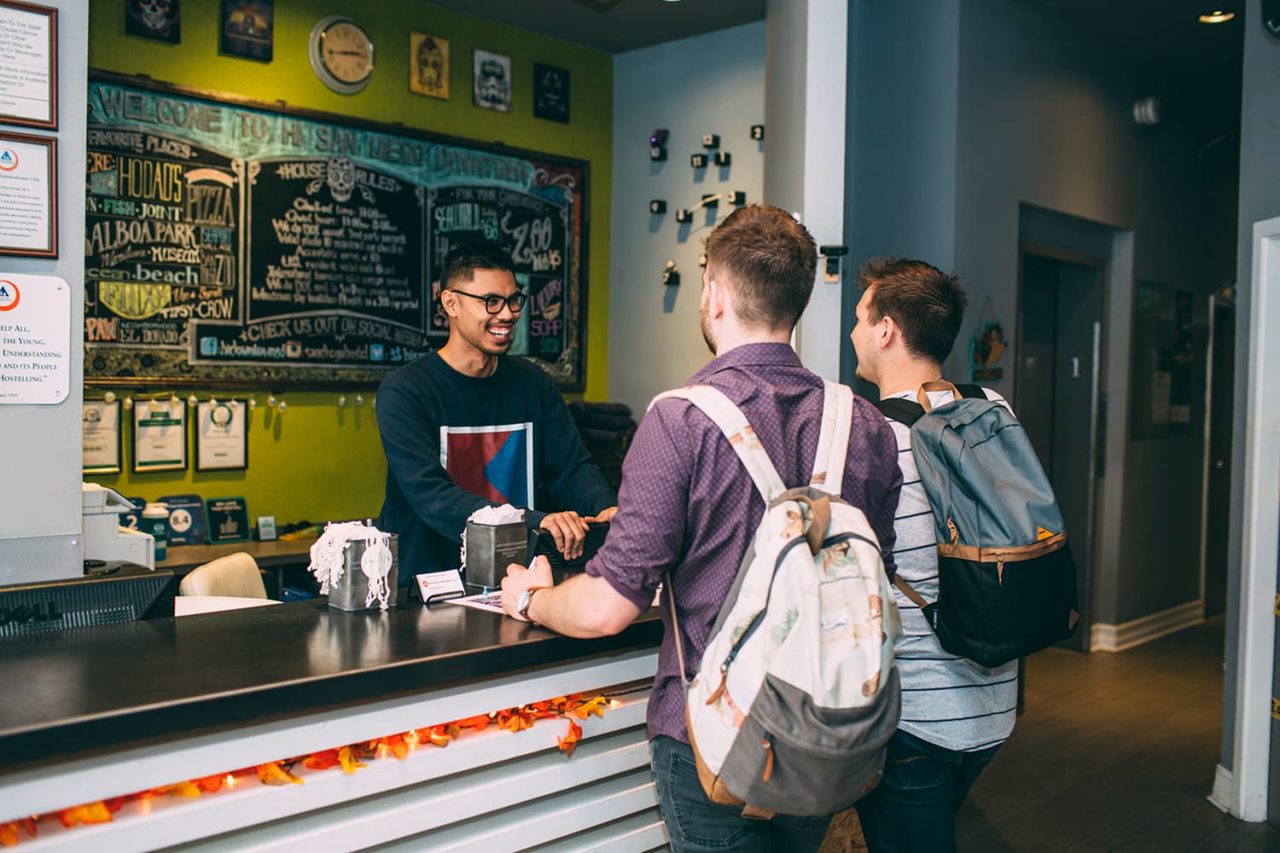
87,813
273,773
322,760
349,760
570,741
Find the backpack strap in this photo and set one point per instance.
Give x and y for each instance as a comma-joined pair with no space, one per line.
833,439
905,412
742,438
972,392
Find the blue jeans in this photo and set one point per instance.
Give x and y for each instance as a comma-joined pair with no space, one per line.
696,824
913,808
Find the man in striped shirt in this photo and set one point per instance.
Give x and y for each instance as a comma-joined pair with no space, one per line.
955,714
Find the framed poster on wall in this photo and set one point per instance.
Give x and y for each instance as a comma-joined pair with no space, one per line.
101,436
28,65
305,247
29,189
159,436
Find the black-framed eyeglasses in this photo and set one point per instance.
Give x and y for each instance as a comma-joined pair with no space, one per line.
493,303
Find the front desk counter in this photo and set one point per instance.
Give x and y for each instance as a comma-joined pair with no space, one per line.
101,713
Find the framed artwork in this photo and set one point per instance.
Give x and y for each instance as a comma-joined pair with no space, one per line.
159,436
153,19
550,93
429,65
248,28
29,93
101,437
491,80
222,435
29,187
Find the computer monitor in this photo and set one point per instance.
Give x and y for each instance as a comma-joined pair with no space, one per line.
109,594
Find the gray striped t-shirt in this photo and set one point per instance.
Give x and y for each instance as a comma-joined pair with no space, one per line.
948,701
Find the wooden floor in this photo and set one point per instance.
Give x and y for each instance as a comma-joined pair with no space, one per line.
1116,752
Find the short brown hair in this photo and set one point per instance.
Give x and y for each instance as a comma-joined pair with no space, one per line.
926,303
770,259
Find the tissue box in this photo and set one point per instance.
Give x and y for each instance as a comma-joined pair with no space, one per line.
353,589
493,547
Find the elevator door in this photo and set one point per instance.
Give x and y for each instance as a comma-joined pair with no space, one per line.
1056,397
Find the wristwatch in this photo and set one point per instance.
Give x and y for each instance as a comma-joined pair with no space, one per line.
526,599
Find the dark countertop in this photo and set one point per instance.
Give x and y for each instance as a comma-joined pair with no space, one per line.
68,692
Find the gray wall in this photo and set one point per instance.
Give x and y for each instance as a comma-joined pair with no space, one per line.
40,483
711,83
968,114
901,172
1259,199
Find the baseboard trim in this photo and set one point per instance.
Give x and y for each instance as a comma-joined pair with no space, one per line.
1224,790
1117,638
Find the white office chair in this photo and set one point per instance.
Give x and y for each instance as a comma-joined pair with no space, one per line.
235,575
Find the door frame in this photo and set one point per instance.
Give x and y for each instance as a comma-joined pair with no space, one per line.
1251,752
1216,301
1084,628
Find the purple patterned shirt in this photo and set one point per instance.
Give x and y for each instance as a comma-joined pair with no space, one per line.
688,506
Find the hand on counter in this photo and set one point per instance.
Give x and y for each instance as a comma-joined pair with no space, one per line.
519,579
569,530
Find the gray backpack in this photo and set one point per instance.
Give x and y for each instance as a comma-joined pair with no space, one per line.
796,695
1006,578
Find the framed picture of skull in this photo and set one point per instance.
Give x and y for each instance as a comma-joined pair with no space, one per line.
429,65
550,93
248,29
153,19
491,80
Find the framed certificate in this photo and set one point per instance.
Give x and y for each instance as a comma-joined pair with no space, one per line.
101,437
222,436
28,185
159,436
28,65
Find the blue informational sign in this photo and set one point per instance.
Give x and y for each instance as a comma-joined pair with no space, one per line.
133,518
186,520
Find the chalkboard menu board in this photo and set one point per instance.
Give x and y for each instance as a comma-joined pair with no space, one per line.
229,242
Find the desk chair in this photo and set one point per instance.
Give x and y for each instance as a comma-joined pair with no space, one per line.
235,575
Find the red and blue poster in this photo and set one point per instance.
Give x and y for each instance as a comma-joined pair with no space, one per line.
493,462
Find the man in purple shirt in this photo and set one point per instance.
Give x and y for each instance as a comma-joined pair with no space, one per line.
687,506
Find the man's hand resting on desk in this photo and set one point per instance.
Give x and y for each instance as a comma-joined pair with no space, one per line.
569,530
582,606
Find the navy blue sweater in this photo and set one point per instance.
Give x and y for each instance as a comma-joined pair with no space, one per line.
456,443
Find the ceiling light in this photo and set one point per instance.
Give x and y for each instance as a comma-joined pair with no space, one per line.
1217,16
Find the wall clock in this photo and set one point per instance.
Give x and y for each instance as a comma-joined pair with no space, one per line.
341,54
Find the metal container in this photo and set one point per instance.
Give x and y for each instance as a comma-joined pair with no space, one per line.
351,591
493,547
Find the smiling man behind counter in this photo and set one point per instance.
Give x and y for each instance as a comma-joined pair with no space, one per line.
467,427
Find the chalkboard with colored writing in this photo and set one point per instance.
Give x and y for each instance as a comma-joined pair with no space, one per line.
234,243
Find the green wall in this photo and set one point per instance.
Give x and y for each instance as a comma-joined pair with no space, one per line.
316,460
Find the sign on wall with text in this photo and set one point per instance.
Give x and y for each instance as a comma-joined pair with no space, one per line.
230,242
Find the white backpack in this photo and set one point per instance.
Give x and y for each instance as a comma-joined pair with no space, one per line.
796,696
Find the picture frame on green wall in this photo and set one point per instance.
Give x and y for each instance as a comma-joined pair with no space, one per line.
429,65
491,80
248,29
160,20
550,93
